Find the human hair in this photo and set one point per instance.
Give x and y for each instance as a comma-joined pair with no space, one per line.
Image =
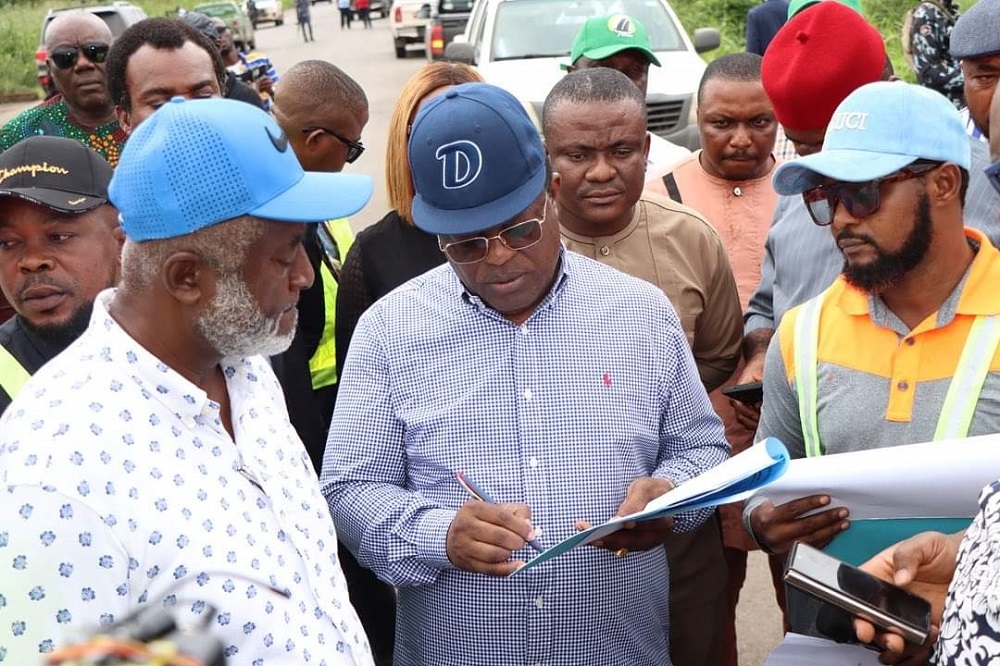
222,246
741,67
317,84
583,86
166,34
398,177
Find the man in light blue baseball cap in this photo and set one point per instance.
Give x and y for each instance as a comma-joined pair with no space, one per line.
901,348
183,424
562,390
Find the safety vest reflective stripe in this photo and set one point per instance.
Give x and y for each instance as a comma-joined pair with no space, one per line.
959,404
13,376
806,380
973,365
323,364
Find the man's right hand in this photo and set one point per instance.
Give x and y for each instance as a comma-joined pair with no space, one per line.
749,415
483,537
776,528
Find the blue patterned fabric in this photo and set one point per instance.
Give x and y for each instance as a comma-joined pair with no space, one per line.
596,389
120,489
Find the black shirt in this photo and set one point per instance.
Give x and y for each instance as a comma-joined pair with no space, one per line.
236,89
31,350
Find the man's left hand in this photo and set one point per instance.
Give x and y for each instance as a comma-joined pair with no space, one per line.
264,84
641,535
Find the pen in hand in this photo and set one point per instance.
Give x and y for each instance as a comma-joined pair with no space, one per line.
481,495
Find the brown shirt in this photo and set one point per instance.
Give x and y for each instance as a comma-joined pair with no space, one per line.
675,248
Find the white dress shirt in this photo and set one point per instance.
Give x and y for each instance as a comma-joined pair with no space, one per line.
121,490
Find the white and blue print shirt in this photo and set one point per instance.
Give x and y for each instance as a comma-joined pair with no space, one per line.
121,490
596,389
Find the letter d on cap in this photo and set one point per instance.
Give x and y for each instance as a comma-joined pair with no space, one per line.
461,162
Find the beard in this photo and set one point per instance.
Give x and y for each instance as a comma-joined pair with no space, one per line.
888,268
63,333
234,325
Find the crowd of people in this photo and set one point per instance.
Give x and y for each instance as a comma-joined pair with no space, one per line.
217,402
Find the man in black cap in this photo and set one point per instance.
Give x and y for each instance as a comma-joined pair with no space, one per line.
59,247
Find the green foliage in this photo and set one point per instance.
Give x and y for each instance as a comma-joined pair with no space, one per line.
729,16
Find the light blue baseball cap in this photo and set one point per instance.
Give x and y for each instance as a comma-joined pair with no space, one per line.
877,130
197,163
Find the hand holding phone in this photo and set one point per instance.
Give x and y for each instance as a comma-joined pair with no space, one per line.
887,606
749,394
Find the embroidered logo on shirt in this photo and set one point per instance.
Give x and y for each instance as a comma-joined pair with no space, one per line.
606,379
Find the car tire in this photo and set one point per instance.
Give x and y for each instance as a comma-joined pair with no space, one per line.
280,22
400,48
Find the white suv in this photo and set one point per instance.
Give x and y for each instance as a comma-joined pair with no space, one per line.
519,45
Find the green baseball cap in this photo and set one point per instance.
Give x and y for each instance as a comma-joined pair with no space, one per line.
796,6
604,36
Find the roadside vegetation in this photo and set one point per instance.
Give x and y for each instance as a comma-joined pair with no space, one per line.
20,23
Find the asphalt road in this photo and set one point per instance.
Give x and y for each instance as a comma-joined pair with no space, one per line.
368,56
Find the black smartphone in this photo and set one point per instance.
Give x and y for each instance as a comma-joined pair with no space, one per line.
887,606
748,394
253,73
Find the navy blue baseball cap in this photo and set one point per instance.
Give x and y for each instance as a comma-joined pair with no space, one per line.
197,163
477,160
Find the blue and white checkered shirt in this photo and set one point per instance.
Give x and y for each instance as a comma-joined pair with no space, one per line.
596,389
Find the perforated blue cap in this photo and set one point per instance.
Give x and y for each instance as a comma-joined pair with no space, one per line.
196,163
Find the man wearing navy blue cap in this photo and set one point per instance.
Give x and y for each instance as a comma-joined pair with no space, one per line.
563,388
154,456
903,347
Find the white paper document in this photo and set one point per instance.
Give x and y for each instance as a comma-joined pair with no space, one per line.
731,481
799,650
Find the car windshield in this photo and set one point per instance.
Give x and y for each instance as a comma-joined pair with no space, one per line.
546,28
217,10
455,6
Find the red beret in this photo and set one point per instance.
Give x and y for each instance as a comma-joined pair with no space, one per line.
816,60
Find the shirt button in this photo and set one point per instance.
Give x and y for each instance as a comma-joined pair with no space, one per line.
524,329
903,385
910,342
533,462
605,250
539,602
527,394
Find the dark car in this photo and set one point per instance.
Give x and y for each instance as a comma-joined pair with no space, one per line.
448,18
118,16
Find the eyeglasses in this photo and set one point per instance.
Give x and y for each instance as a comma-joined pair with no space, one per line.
993,173
66,57
518,236
859,199
354,148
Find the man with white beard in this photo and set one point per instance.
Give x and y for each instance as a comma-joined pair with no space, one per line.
152,464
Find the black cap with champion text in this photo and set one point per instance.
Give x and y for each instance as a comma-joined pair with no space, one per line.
57,173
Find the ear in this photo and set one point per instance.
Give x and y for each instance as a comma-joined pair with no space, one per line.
554,185
945,184
187,279
645,146
124,119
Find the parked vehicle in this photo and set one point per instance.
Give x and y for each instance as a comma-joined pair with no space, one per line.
379,8
269,11
519,45
118,16
408,21
448,18
236,18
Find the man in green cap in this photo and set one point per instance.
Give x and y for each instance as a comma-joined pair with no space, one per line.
621,42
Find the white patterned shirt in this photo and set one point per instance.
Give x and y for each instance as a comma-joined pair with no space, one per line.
596,389
120,489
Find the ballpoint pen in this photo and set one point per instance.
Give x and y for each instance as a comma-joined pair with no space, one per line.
483,496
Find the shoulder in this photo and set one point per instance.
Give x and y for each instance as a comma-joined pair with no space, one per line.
604,286
665,214
390,225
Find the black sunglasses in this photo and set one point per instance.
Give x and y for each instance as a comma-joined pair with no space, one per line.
66,57
354,148
859,199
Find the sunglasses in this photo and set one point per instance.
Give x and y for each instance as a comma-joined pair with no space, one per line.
860,199
66,57
518,236
354,148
